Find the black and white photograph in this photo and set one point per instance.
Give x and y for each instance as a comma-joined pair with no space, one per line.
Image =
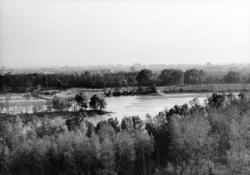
124,87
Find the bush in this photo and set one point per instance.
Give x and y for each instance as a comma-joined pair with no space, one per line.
97,103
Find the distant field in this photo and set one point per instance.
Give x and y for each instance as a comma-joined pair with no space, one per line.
205,88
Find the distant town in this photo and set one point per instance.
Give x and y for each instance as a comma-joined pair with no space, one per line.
102,69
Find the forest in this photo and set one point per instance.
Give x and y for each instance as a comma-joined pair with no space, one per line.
186,139
167,77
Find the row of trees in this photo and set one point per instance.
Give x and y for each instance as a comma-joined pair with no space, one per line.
27,82
96,103
188,139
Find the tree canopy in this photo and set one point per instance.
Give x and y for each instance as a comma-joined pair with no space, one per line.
97,103
145,77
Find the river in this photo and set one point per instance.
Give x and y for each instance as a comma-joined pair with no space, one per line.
146,104
119,106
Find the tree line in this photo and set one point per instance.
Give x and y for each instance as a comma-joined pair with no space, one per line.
186,139
145,77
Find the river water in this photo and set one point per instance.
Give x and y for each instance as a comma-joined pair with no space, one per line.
119,106
147,104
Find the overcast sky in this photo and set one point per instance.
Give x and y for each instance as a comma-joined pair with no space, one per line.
84,32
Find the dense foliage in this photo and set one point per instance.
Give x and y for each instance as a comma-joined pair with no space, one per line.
188,139
27,82
171,77
95,103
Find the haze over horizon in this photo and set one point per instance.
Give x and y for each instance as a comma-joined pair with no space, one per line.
81,33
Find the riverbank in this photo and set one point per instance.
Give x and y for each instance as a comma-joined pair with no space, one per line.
146,90
140,90
55,114
124,91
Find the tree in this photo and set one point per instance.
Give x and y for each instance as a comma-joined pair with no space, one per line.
104,130
190,144
216,100
58,103
124,153
232,77
114,123
194,76
145,77
97,103
132,124
82,101
171,77
75,122
144,147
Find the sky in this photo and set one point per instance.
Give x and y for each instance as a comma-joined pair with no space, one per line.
100,32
